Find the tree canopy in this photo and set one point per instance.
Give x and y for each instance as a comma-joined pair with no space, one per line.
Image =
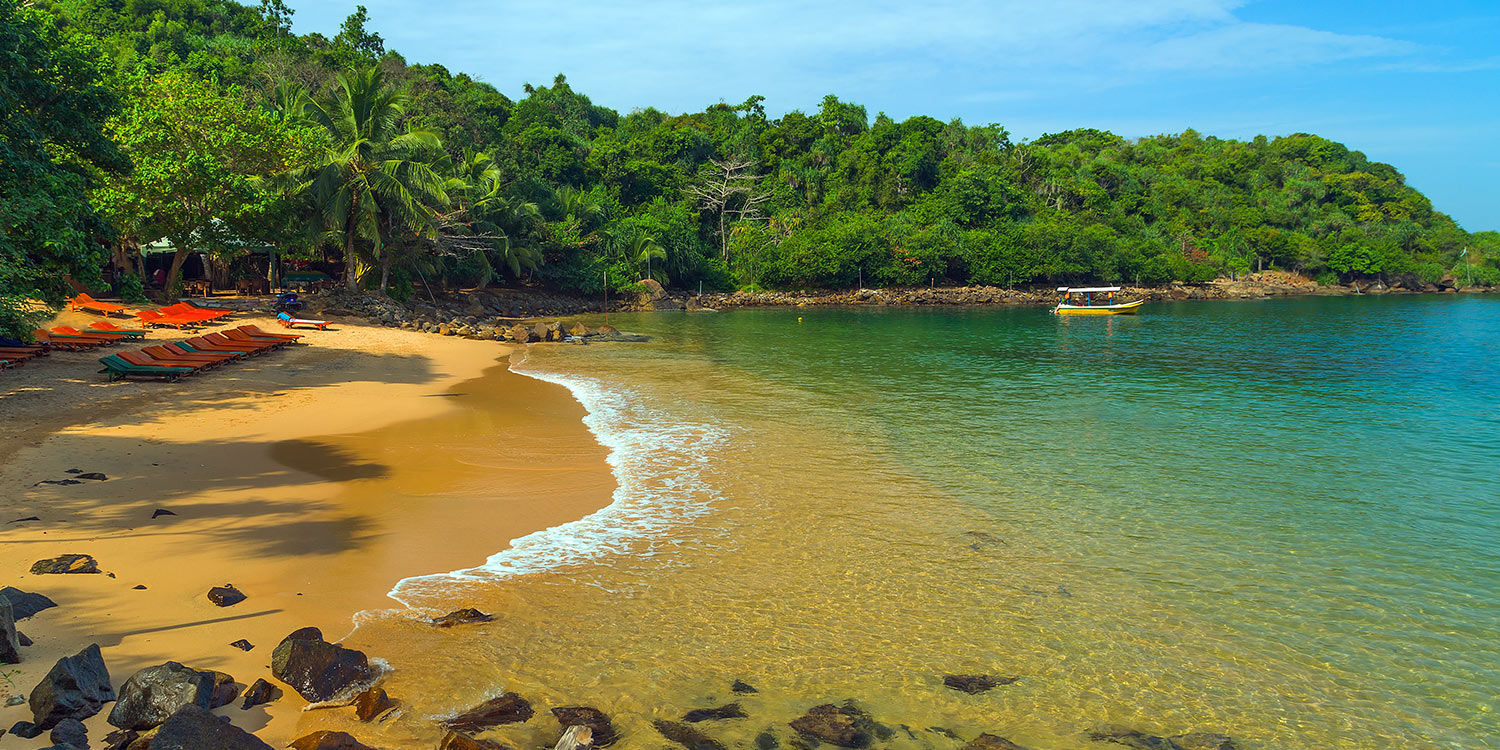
339,150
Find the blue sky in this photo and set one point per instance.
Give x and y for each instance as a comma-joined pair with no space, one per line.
1413,84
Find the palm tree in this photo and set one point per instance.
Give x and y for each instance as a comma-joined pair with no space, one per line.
483,208
371,180
642,247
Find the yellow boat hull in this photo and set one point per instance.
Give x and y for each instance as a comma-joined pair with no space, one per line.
1127,308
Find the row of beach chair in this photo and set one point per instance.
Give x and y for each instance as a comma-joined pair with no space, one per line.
181,315
196,354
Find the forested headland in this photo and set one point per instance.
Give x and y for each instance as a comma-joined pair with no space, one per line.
211,124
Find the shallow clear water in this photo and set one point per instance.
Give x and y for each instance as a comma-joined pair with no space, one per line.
1274,519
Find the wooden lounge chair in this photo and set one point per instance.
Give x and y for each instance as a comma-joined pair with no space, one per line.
88,304
23,351
185,348
234,334
155,319
99,335
108,327
168,357
67,343
140,359
204,345
258,333
288,321
120,369
260,346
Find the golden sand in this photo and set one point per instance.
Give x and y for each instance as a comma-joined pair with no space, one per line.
298,476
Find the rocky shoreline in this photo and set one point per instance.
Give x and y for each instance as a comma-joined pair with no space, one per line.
515,314
169,706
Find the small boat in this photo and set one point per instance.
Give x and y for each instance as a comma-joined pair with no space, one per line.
1093,300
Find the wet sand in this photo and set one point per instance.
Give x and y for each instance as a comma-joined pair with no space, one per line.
310,478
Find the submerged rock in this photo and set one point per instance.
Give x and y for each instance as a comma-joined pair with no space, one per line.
742,687
328,740
508,708
974,684
458,741
1132,738
466,616
687,736
845,726
76,688
726,711
372,703
226,595
989,741
316,669
597,721
1205,741
260,693
64,564
24,605
153,694
193,728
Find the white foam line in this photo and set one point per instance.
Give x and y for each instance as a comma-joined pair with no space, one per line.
658,462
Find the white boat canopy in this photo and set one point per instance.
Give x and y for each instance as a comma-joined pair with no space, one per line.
1071,289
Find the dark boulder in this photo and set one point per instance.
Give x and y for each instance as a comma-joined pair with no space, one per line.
974,684
24,605
1132,738
466,616
120,739
243,645
988,741
65,564
316,669
22,639
225,689
597,722
76,688
504,709
71,733
153,694
159,512
1205,741
687,736
193,728
260,693
94,475
726,711
458,741
742,687
10,638
328,740
372,703
26,730
225,596
845,726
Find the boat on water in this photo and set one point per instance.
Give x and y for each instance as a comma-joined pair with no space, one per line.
1093,300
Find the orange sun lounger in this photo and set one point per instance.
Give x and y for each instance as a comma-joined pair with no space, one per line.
156,318
68,343
108,327
258,333
88,304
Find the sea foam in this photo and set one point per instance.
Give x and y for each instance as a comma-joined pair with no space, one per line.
659,462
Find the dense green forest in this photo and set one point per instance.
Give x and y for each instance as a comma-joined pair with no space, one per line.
211,124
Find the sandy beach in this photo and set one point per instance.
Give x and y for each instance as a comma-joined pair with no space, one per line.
292,476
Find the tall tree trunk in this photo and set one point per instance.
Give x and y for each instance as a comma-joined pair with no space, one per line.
174,274
385,269
351,276
723,238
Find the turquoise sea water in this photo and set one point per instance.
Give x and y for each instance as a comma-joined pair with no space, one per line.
1278,519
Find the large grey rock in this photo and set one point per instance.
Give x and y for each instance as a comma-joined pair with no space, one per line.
153,694
25,605
316,669
193,728
76,688
70,733
10,638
